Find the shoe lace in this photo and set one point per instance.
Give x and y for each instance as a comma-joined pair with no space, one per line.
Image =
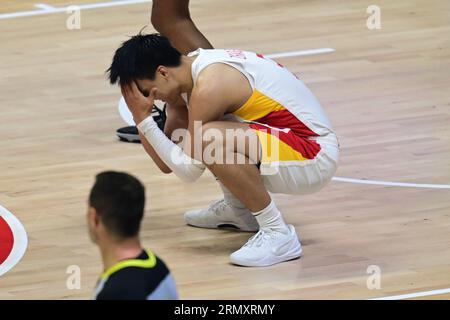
258,239
218,206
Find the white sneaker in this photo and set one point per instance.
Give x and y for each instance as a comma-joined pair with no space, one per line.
221,215
268,247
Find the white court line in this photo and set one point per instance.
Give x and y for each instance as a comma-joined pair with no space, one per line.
300,53
415,295
45,9
393,184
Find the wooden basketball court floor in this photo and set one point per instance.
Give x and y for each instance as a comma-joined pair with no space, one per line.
386,91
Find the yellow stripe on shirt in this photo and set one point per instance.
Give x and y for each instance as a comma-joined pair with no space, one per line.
257,106
148,263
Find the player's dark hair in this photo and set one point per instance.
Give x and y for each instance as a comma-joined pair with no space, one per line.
140,56
119,200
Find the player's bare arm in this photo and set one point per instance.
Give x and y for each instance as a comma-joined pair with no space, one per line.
220,89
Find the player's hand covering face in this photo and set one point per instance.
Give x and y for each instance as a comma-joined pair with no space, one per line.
139,104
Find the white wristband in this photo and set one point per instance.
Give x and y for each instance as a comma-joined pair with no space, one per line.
184,167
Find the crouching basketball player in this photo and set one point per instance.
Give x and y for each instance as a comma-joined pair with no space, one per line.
281,132
116,208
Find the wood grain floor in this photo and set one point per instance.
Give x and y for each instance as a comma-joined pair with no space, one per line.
386,92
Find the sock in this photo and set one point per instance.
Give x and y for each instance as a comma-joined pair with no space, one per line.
270,217
231,198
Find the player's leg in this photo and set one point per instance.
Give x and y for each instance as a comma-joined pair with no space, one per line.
231,152
172,19
276,241
227,212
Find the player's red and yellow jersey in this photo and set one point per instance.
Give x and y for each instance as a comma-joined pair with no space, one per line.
282,110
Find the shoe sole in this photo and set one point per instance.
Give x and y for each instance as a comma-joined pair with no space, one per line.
267,264
129,137
223,226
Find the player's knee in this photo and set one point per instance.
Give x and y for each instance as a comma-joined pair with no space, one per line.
158,20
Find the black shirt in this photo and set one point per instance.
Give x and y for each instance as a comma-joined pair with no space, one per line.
145,277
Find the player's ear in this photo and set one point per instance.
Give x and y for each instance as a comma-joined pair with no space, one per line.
93,217
163,71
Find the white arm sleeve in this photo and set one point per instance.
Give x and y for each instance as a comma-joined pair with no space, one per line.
184,167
